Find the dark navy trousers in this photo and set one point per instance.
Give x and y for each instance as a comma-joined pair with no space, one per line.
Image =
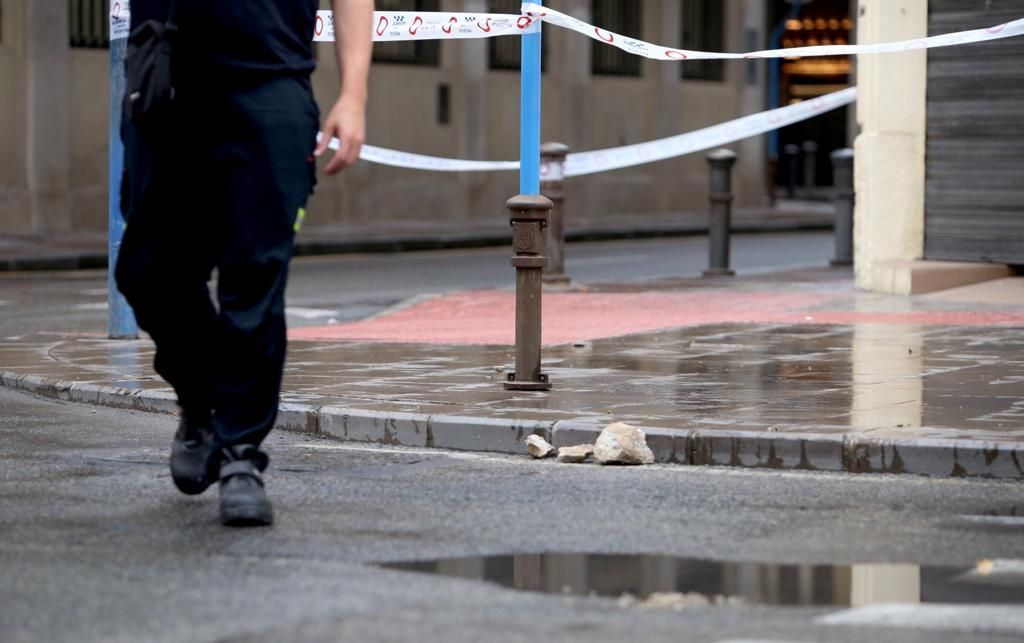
219,182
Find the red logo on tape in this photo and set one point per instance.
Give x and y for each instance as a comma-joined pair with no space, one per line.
415,26
487,26
382,25
318,26
610,38
524,22
451,23
675,55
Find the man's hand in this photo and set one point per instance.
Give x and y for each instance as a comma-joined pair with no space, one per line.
347,122
347,119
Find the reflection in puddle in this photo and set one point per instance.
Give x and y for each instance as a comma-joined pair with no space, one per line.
653,579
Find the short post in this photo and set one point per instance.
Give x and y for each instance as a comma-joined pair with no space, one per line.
529,216
810,149
552,185
842,172
793,163
721,162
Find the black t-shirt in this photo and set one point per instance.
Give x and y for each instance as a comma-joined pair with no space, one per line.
273,37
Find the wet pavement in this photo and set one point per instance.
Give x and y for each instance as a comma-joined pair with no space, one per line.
96,544
784,370
682,583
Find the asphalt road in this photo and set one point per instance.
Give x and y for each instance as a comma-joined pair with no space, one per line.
95,544
352,287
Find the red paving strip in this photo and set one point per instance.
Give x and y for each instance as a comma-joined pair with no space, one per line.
485,317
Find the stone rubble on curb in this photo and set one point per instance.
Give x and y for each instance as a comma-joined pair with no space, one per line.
621,443
538,447
777,450
576,454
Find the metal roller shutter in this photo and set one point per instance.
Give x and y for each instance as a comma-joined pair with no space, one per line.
974,200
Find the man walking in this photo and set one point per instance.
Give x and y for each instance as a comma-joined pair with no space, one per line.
220,180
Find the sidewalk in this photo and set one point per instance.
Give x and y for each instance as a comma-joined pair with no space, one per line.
89,249
784,371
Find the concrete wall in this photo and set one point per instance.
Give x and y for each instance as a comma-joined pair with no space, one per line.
585,111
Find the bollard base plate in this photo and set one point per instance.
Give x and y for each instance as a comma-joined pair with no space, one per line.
544,384
719,272
841,263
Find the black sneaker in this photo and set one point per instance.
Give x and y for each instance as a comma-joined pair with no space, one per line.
191,461
243,501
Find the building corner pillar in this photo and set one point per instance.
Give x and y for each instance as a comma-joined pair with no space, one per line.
890,151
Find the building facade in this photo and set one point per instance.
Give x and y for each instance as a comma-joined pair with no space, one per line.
452,99
938,179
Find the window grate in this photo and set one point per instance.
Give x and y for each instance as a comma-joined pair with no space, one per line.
88,24
425,53
703,29
622,17
505,52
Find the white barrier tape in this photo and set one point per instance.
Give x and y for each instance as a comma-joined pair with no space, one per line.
395,26
657,52
583,163
395,158
392,26
707,138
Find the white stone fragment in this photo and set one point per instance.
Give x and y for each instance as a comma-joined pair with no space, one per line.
620,443
576,454
538,447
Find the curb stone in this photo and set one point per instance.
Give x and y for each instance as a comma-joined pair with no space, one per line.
781,451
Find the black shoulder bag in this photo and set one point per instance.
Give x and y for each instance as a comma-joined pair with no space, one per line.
149,68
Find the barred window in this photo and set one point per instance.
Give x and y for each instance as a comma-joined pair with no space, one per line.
703,30
505,52
622,17
88,23
408,52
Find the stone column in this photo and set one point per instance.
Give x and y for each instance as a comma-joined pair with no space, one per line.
890,151
751,183
48,115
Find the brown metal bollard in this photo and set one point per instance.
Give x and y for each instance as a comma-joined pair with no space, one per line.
552,185
529,219
720,222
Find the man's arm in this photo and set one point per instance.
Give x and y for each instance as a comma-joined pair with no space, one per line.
353,24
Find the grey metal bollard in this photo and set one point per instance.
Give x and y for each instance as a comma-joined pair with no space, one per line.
810,149
552,185
792,152
842,172
529,218
721,162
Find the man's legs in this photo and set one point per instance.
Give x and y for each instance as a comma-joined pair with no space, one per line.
164,264
263,161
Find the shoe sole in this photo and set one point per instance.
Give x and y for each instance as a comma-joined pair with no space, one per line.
248,515
192,485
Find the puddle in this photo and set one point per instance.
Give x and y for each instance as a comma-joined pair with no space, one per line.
661,581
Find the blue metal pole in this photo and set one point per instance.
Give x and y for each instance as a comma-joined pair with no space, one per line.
121,320
529,115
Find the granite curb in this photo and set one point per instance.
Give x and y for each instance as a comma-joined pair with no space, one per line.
444,241
833,452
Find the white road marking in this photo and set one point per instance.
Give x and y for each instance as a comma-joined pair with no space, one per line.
1000,521
309,313
996,619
